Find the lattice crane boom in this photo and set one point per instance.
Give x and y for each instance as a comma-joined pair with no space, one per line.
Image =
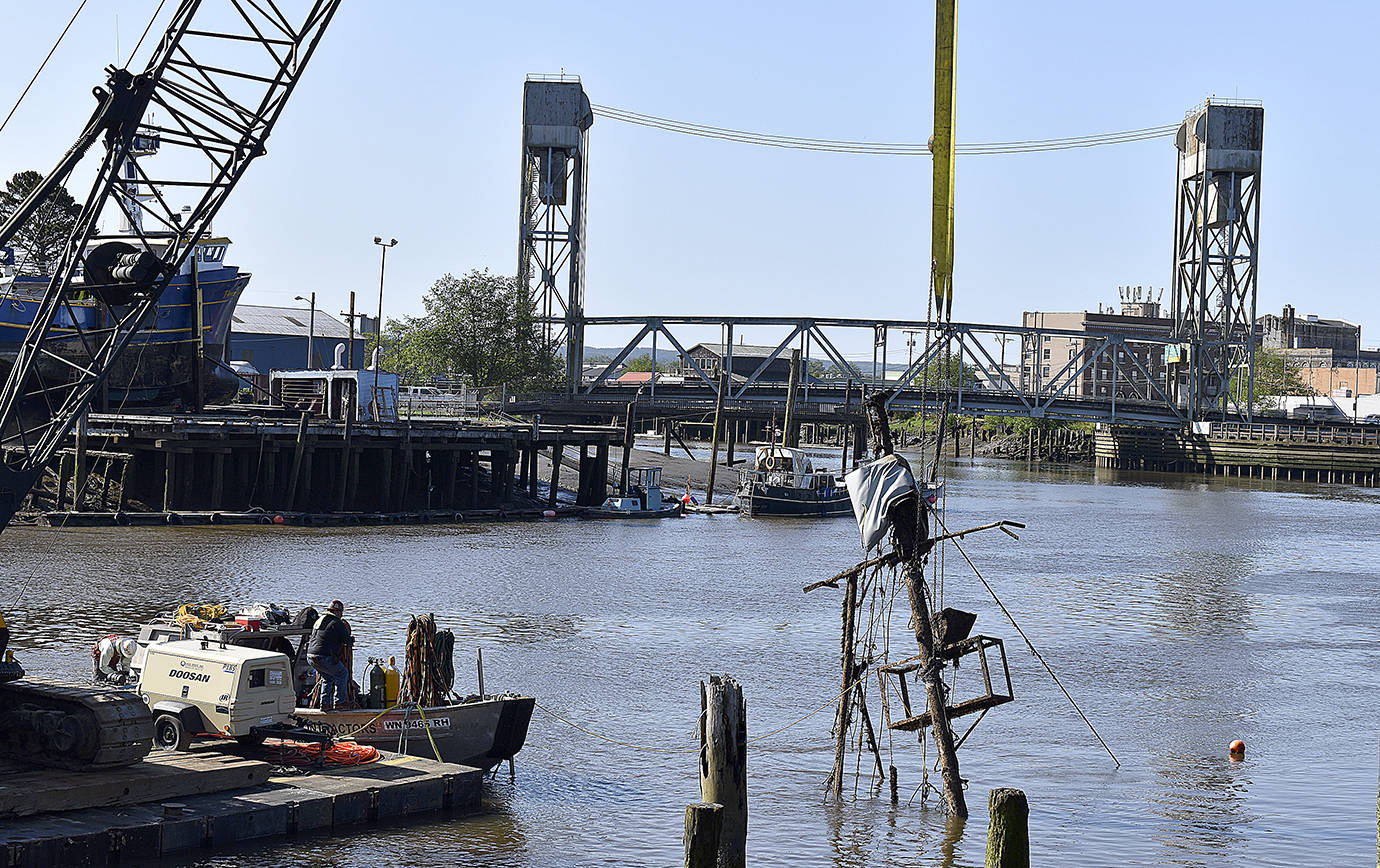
213,89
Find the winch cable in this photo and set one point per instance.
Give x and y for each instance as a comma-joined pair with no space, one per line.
39,71
1029,644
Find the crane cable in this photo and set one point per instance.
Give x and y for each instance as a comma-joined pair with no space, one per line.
904,149
39,71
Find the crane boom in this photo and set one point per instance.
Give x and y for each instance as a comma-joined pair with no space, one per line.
217,82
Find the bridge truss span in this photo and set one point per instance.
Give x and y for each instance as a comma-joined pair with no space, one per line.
1105,377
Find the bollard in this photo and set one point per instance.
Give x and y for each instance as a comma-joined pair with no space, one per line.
1008,833
723,763
703,823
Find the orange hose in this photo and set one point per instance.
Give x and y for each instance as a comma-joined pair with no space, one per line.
342,753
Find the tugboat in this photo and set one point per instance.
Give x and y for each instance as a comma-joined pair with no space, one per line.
480,730
643,500
783,482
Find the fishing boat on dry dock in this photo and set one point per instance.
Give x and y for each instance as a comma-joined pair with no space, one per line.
479,730
784,482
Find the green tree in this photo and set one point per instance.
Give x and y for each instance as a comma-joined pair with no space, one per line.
479,326
641,363
38,243
1274,378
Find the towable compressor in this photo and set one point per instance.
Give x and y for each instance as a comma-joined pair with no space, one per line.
198,687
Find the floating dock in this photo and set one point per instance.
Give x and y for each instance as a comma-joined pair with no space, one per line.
211,798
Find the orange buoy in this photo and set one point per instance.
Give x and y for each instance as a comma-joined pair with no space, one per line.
1237,750
278,519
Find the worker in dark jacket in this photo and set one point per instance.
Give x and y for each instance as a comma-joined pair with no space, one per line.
330,636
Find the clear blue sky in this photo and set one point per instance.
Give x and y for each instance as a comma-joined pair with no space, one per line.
408,125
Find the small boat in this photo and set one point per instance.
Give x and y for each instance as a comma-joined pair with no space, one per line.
643,500
783,482
480,730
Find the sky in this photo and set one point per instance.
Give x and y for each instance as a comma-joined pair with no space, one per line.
407,124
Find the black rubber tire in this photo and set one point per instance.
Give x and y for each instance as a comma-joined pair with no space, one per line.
169,734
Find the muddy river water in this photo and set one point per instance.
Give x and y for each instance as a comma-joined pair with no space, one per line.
1182,614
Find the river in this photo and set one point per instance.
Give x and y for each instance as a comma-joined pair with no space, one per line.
1180,613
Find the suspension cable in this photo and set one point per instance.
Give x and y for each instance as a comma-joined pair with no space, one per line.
39,71
912,149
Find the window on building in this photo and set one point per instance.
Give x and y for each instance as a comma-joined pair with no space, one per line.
1070,352
1046,352
1044,372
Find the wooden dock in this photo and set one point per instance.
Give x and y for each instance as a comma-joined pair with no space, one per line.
211,798
1348,454
309,465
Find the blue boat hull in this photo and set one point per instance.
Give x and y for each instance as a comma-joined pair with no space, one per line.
159,366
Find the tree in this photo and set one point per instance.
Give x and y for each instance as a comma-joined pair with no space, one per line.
641,363
479,326
38,243
1273,380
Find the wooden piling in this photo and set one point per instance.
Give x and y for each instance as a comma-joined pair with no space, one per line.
723,763
627,450
845,430
666,436
297,452
703,826
556,451
729,460
346,449
791,425
1008,833
80,467
714,437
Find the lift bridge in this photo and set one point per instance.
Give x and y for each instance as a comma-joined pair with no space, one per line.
1105,378
1202,367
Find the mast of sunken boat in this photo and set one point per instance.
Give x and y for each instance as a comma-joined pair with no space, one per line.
899,497
911,545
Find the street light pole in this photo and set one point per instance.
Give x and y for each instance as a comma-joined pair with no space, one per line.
383,262
311,329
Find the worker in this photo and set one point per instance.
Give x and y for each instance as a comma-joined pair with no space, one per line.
113,656
330,636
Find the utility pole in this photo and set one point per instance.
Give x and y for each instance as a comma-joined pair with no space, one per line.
350,321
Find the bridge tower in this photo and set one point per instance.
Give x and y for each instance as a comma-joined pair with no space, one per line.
556,117
1216,222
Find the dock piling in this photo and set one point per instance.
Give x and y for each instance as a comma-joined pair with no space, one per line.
703,826
1008,833
723,763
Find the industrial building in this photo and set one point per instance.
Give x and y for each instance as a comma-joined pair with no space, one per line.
1044,358
1290,331
713,357
275,338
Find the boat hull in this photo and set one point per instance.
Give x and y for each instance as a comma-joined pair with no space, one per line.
664,512
759,500
159,366
480,734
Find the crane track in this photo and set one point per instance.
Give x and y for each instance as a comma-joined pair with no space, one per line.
55,724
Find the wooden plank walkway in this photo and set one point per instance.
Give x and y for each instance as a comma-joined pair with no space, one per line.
126,815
